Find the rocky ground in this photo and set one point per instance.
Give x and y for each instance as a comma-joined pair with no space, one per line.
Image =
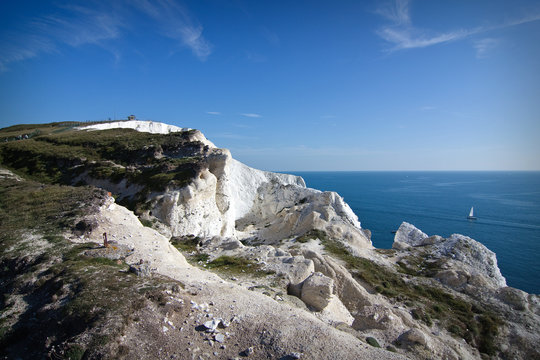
213,316
231,262
289,294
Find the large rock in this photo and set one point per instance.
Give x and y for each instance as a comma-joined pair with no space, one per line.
376,317
193,210
469,264
283,210
413,337
295,268
335,312
515,298
351,293
471,257
317,291
453,278
408,235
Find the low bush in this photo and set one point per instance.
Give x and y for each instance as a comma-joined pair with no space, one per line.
373,342
312,234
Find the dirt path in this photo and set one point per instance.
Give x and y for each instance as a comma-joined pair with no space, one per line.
269,327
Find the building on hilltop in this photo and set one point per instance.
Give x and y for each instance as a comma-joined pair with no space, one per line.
131,117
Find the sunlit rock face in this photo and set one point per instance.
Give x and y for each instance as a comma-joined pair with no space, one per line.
229,199
463,262
232,199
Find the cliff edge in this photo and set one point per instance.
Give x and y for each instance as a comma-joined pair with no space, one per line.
141,239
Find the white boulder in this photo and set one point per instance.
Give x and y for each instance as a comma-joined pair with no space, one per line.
408,235
467,262
317,291
414,336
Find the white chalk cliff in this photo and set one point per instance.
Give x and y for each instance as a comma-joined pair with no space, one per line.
230,199
152,127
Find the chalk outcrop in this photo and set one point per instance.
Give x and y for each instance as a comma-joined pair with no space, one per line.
462,261
408,235
229,199
317,291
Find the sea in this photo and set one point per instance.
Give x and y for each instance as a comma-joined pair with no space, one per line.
506,204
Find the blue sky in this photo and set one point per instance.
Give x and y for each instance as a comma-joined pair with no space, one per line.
291,85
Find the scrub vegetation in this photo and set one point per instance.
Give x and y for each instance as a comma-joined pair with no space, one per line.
57,154
57,302
428,302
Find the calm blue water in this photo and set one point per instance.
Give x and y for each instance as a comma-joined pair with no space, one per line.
507,205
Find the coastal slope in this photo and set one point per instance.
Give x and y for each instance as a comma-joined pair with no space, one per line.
206,257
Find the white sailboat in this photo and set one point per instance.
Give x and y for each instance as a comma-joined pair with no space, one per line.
471,214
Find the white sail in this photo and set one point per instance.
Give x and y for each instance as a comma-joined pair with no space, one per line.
471,214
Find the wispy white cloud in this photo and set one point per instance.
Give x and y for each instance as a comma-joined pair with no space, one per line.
427,108
251,115
397,12
13,50
213,113
91,26
78,25
522,20
401,34
328,116
177,23
484,46
411,38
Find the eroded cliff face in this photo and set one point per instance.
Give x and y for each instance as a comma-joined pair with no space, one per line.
225,198
230,199
457,261
296,250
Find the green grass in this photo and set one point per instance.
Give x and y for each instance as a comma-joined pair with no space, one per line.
419,314
420,265
238,266
373,342
185,243
46,208
75,352
232,264
312,234
41,161
199,257
147,223
388,252
98,296
55,152
33,130
188,245
124,146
